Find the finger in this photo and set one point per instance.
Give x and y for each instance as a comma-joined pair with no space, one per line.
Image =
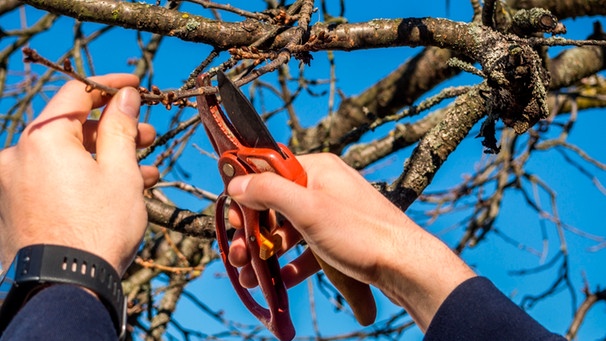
289,235
150,175
248,279
292,274
145,136
117,133
238,253
234,217
258,191
299,269
70,107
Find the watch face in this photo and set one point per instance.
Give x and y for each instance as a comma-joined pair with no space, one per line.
6,281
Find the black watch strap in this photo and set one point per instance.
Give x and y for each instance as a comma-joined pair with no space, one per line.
41,265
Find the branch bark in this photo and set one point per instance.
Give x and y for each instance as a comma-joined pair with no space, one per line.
435,147
563,8
590,300
180,220
404,135
577,63
470,39
8,5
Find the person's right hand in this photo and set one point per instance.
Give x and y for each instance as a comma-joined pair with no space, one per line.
340,215
356,230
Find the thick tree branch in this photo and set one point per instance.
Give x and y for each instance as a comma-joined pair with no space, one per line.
468,38
577,63
563,8
159,20
437,145
180,220
8,5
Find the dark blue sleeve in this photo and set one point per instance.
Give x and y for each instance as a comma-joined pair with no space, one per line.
61,312
477,310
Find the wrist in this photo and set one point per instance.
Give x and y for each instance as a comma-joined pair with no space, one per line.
111,255
38,266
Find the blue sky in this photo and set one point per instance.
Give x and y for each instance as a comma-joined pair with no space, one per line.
579,203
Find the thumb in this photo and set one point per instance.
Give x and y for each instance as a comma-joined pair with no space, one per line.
271,191
117,131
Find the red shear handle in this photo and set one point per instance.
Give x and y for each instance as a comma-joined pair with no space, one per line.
261,248
277,317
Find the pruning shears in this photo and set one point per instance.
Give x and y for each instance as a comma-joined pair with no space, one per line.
245,146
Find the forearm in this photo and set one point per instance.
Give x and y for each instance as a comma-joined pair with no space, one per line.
420,271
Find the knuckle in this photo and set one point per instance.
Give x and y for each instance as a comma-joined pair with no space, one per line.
6,159
263,182
73,83
34,138
74,86
120,129
329,158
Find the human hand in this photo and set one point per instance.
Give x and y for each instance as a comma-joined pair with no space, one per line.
335,203
53,191
356,230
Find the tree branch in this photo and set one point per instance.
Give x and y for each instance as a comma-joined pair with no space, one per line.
563,8
590,300
180,220
8,5
437,145
577,63
145,17
468,38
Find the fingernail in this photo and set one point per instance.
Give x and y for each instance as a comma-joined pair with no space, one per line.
238,185
129,102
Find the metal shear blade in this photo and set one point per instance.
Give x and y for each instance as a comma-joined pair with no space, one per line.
244,117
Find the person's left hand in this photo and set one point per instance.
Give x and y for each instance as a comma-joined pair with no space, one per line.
53,191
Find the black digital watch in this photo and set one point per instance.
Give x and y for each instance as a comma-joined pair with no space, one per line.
38,266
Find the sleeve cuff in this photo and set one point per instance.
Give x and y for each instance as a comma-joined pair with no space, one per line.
477,310
61,312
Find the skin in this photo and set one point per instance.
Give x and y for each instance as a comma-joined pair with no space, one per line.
53,191
383,246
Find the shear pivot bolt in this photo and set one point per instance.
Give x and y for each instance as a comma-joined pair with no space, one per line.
228,169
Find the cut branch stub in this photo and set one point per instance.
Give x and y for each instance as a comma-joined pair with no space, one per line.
527,22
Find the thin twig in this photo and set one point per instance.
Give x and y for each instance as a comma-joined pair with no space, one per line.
155,96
